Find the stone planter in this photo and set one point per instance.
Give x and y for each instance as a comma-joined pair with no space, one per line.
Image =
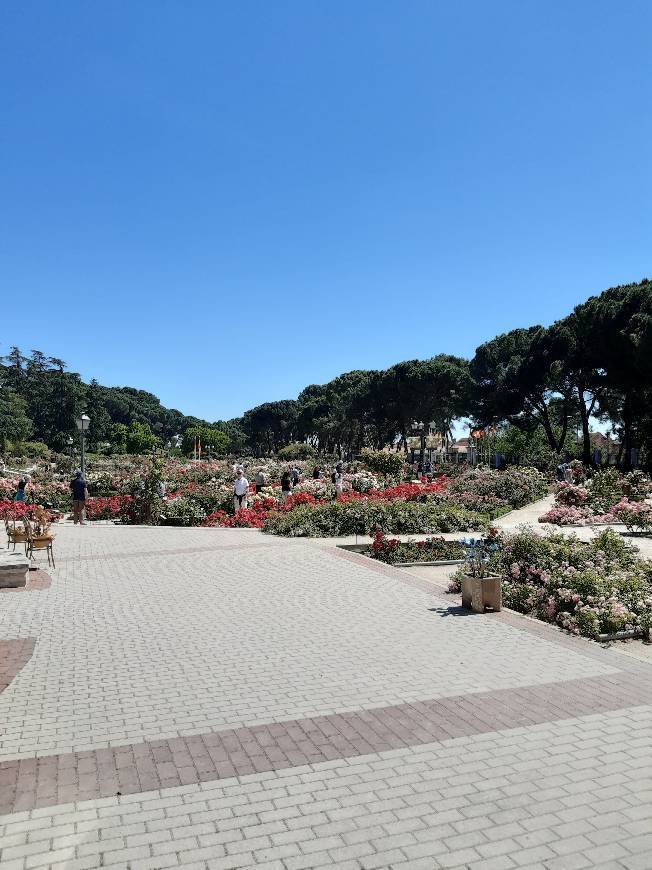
481,592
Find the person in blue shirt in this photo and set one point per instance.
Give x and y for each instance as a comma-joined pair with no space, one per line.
79,493
20,492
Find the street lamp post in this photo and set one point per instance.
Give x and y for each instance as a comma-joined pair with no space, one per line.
83,423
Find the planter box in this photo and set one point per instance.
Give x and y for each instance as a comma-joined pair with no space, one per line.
481,592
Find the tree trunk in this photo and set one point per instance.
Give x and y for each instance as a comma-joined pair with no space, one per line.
564,429
626,446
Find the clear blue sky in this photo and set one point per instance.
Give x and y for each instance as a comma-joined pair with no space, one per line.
224,202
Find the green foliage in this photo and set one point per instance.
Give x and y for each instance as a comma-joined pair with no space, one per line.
35,450
517,486
213,441
382,462
118,435
296,450
146,491
604,490
362,517
141,439
271,425
530,447
181,512
54,397
15,425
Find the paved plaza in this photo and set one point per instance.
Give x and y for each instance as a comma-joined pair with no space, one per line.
216,698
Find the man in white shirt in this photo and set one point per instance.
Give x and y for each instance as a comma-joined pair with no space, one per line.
240,490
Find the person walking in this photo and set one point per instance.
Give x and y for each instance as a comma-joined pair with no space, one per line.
286,486
260,480
240,491
20,492
79,496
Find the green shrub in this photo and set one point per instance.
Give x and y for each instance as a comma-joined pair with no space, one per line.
516,485
363,517
35,450
182,512
605,490
381,462
296,450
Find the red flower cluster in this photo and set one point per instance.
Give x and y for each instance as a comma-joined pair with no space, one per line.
380,542
404,491
14,509
254,517
300,498
245,518
106,508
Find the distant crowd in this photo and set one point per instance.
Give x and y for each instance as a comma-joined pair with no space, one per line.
289,479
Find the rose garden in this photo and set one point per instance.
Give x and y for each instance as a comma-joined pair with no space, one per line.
598,587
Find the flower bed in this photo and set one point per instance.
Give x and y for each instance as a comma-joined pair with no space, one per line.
393,551
106,508
600,587
361,517
14,509
607,497
514,487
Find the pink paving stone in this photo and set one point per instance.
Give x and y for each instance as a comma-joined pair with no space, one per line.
14,655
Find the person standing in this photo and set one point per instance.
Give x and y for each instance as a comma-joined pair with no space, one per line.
338,479
20,492
260,480
286,486
296,476
316,474
240,491
79,496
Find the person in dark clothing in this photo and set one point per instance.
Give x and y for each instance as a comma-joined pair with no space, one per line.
286,485
79,494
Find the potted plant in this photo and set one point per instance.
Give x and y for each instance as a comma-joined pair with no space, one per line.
480,588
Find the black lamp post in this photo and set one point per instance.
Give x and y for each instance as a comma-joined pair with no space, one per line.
83,423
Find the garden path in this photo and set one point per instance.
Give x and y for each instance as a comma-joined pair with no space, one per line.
216,699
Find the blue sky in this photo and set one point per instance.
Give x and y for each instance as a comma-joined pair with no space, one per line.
222,203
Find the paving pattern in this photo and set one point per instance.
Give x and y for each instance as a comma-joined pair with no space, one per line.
217,698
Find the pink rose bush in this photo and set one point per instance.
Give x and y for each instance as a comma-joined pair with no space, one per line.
607,497
599,587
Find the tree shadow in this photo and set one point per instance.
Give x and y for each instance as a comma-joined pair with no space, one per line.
452,610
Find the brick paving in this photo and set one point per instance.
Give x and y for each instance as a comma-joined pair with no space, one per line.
216,698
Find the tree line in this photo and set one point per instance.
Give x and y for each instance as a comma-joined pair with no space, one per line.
544,381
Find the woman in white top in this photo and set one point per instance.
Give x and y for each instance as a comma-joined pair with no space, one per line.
240,490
